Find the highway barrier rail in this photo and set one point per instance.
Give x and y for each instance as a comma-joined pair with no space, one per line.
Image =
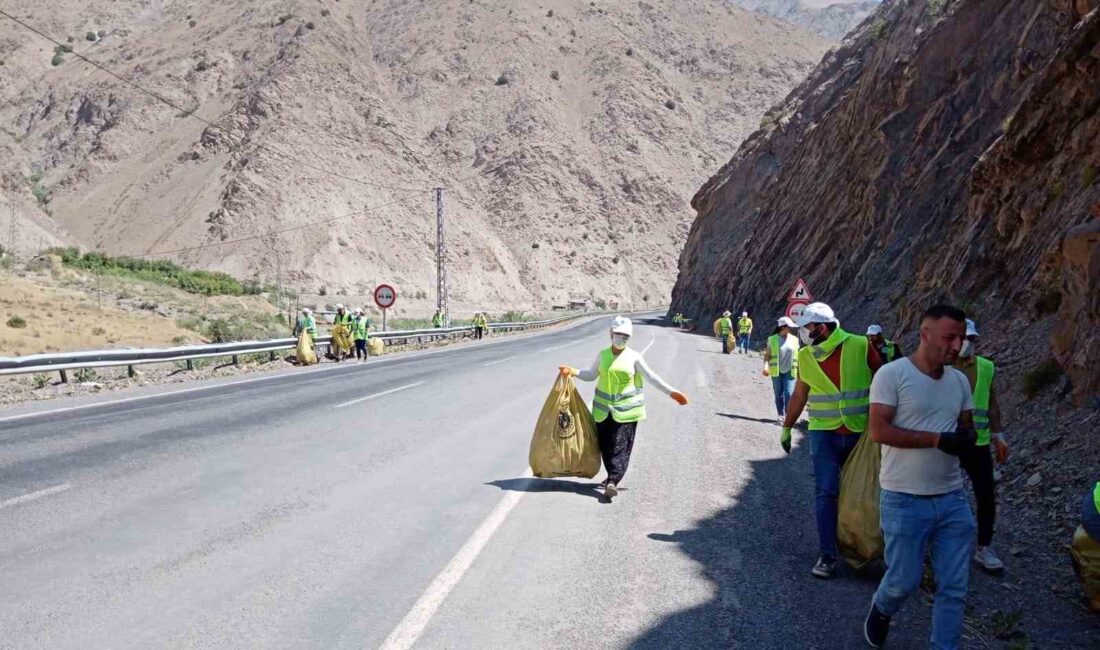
64,361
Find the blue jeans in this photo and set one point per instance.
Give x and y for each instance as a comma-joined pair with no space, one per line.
829,450
743,342
783,387
909,525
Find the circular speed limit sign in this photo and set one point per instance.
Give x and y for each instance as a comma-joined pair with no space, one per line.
385,296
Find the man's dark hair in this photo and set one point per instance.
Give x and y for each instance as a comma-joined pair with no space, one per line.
936,312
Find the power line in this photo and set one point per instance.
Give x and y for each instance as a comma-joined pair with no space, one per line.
191,113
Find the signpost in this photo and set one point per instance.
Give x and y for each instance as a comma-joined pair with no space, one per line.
797,300
384,297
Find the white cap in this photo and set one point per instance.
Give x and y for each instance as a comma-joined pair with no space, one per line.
744,313
339,306
785,322
874,329
359,310
622,325
816,312
726,313
971,328
307,310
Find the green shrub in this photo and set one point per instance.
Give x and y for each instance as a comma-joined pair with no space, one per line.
1041,376
211,283
17,323
554,75
90,36
57,60
310,25
877,29
101,33
502,80
282,19
85,374
40,381
936,7
324,13
670,105
98,331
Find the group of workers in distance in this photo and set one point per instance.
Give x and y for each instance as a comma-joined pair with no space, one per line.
935,415
357,329
724,329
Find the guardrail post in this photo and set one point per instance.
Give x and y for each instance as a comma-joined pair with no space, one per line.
130,372
64,376
271,355
236,360
190,364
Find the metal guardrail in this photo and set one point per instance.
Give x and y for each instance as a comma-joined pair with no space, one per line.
61,362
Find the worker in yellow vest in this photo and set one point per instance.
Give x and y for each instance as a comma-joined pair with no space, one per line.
619,404
979,465
437,319
887,349
1085,548
723,329
781,363
834,377
744,332
360,333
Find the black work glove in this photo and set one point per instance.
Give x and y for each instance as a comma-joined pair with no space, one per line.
958,442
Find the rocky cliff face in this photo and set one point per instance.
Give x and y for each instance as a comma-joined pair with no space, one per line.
942,153
569,135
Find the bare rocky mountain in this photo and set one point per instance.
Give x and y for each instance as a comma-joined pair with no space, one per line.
946,151
568,135
829,18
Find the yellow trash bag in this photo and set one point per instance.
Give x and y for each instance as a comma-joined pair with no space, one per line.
341,340
305,354
859,529
375,347
1086,563
564,443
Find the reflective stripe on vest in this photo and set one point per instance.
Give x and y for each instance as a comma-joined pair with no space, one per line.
888,351
618,388
983,384
744,325
725,326
831,407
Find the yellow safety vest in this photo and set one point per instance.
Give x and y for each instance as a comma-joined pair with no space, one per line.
888,351
982,387
773,357
744,325
831,407
1096,496
725,326
618,388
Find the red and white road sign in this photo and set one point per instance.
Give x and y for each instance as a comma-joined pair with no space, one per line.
795,309
800,293
385,296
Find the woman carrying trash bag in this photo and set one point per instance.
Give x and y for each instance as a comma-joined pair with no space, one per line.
619,404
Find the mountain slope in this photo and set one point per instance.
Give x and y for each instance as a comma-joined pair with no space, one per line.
568,135
832,19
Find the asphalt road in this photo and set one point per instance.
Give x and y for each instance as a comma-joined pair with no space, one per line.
387,503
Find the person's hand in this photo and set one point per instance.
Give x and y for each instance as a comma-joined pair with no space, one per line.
957,442
680,398
566,371
1001,447
785,439
765,372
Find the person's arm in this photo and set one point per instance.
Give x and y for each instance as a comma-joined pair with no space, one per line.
874,359
593,373
642,367
797,403
884,432
767,358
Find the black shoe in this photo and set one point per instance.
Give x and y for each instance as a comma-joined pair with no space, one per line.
825,567
876,627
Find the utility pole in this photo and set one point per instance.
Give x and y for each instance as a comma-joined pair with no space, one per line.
13,231
441,259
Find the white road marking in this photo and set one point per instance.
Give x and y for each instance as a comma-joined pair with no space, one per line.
558,347
650,345
34,495
385,392
413,625
493,363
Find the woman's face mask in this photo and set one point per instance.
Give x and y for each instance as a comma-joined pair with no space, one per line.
805,336
618,341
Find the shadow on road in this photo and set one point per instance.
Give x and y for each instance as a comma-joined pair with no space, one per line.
548,485
734,416
757,555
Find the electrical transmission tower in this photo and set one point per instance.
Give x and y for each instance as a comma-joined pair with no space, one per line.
441,259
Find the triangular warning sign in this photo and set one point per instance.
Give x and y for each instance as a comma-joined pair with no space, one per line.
800,292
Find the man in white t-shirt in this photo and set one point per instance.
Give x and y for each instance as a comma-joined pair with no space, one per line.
921,415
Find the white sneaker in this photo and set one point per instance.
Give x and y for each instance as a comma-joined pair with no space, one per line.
611,491
987,559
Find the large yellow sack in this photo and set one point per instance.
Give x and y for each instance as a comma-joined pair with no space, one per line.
731,343
305,354
375,347
859,529
1086,562
341,340
564,443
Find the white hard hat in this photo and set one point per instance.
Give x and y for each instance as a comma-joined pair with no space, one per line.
339,306
307,310
622,325
874,329
971,328
816,312
744,313
726,313
785,322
